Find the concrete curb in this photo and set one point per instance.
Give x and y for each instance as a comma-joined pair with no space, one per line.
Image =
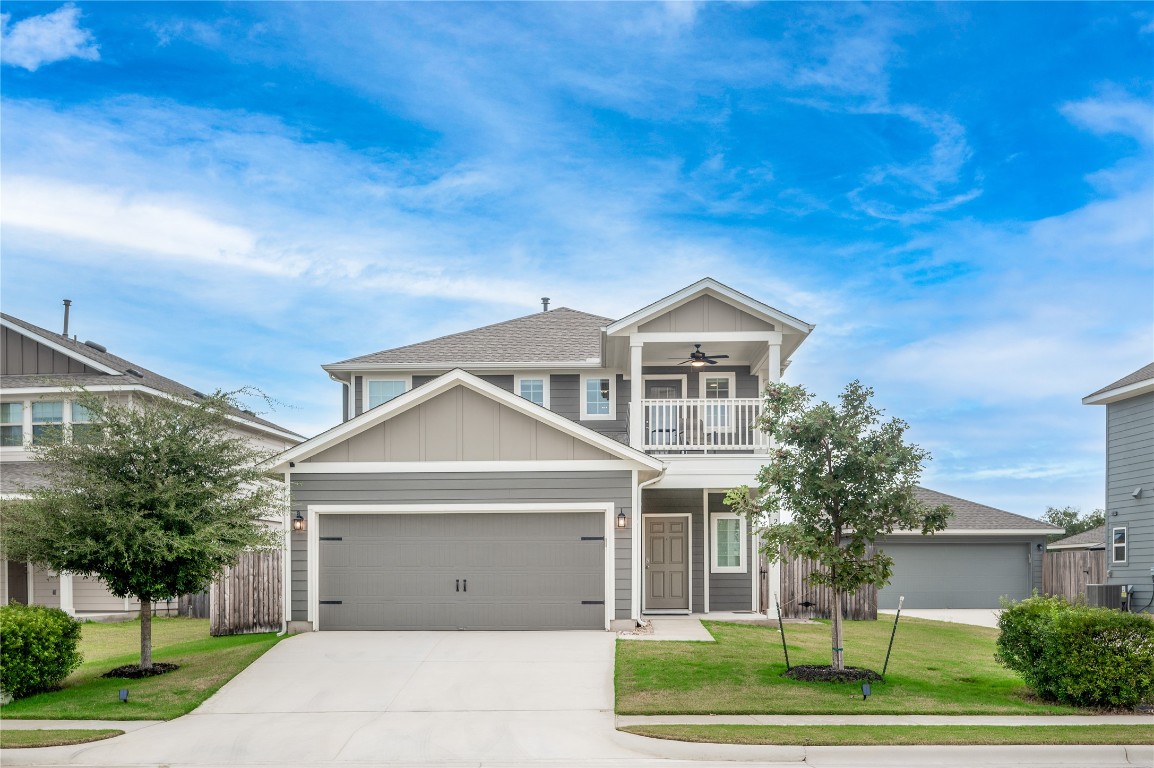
77,725
1007,720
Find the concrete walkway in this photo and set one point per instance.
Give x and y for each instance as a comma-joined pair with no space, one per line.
978,617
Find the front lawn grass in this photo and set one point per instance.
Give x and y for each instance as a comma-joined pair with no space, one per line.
21,739
878,735
206,663
936,668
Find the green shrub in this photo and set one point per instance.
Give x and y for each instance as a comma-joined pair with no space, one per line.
1088,657
37,648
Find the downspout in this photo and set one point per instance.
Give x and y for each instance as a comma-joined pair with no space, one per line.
639,571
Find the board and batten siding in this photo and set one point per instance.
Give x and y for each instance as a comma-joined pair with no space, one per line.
1130,465
465,488
24,356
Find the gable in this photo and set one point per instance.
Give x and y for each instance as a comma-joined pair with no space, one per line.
460,424
24,356
705,314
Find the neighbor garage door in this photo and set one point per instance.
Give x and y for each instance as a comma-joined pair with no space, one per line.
462,571
941,575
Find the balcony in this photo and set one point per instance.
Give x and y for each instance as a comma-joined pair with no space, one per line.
703,426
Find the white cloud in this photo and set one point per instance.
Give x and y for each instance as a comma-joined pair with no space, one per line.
1114,112
38,40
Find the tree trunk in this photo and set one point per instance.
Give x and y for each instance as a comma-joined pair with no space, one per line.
838,660
145,633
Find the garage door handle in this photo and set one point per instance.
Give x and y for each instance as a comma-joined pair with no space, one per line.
465,583
458,585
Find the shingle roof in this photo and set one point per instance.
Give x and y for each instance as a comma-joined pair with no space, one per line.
559,335
16,476
1095,537
970,515
146,378
1145,373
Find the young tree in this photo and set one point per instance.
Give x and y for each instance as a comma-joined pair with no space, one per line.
1072,520
156,497
845,477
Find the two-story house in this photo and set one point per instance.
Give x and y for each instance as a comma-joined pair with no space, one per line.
565,470
1129,531
40,372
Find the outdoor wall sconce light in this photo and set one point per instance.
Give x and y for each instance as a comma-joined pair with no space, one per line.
298,522
621,520
1038,547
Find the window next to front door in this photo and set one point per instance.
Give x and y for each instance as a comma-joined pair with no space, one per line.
727,537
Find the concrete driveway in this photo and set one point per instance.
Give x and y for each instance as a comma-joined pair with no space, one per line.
389,697
978,617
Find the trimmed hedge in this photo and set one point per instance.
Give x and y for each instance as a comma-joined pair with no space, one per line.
1075,654
37,648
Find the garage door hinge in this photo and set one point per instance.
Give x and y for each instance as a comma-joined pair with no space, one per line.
592,538
592,602
332,538
332,602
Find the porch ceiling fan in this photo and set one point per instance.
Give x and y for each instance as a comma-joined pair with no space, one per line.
697,358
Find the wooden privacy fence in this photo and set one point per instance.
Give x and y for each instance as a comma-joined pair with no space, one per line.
800,600
248,596
1067,572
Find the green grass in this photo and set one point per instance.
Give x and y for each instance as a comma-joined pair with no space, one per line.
21,739
873,735
936,668
206,663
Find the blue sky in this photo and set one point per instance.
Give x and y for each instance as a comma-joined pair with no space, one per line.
960,196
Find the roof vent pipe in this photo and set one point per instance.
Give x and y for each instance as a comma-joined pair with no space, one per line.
544,304
67,304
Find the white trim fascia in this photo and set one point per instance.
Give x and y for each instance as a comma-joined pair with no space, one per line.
387,467
131,387
1052,547
635,551
656,337
1120,393
58,347
415,397
705,286
315,510
479,366
975,532
688,560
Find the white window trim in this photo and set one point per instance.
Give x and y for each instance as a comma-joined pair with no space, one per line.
406,380
542,377
703,375
27,423
647,377
1125,545
612,415
742,557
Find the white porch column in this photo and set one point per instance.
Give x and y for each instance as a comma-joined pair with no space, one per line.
66,601
774,364
636,392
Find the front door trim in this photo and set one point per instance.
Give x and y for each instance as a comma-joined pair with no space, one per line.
688,560
314,549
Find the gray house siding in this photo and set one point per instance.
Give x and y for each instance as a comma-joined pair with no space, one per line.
460,488
1130,465
358,395
731,591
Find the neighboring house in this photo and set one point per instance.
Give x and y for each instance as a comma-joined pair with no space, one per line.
1130,483
984,554
39,372
560,470
1095,538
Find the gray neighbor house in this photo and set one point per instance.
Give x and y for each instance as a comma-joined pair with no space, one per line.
1129,530
564,470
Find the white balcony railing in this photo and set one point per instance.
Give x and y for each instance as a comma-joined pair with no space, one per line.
703,425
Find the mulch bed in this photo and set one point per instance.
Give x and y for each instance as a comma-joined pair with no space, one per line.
134,672
814,673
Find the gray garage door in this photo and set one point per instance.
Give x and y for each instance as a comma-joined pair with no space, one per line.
956,575
462,571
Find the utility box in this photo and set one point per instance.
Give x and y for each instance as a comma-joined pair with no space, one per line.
1104,595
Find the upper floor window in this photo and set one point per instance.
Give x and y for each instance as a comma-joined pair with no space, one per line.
11,424
384,390
597,397
1118,545
47,421
534,388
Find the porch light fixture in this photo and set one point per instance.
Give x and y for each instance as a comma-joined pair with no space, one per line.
299,522
621,519
697,364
